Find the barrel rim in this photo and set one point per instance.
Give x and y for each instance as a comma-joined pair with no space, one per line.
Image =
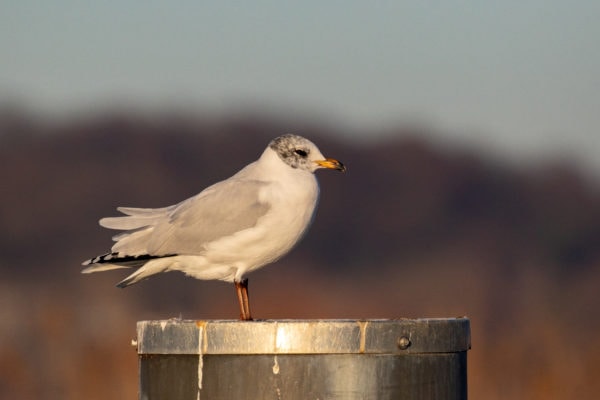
304,336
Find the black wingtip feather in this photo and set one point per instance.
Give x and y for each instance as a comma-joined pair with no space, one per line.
122,284
115,258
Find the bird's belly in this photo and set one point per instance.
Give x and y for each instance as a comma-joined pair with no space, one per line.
274,234
255,247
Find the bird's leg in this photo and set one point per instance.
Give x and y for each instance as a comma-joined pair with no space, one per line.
246,299
241,289
238,291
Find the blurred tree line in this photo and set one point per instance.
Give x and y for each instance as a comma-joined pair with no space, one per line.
414,229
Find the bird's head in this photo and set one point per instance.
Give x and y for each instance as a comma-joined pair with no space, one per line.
301,153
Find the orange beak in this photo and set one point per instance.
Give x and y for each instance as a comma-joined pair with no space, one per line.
331,163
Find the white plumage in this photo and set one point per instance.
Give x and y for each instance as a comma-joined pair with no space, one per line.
229,229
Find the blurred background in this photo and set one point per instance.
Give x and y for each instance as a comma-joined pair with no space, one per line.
470,130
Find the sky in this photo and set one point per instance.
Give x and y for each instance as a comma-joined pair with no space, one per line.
519,78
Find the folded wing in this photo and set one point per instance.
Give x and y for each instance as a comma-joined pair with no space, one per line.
186,228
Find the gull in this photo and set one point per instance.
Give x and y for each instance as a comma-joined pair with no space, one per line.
230,228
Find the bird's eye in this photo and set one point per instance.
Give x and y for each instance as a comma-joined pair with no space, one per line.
301,153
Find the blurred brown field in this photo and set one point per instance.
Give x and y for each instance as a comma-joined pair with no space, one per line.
413,229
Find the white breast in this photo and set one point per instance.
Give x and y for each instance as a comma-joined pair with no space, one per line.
293,196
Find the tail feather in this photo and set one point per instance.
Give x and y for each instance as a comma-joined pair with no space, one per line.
128,222
130,232
143,211
101,267
132,242
135,218
149,269
133,278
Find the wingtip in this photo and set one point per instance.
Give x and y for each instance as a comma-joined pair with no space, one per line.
123,284
89,269
94,260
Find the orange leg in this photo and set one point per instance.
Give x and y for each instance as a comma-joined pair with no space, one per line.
241,289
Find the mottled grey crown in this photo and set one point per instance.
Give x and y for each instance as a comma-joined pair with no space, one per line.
295,151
